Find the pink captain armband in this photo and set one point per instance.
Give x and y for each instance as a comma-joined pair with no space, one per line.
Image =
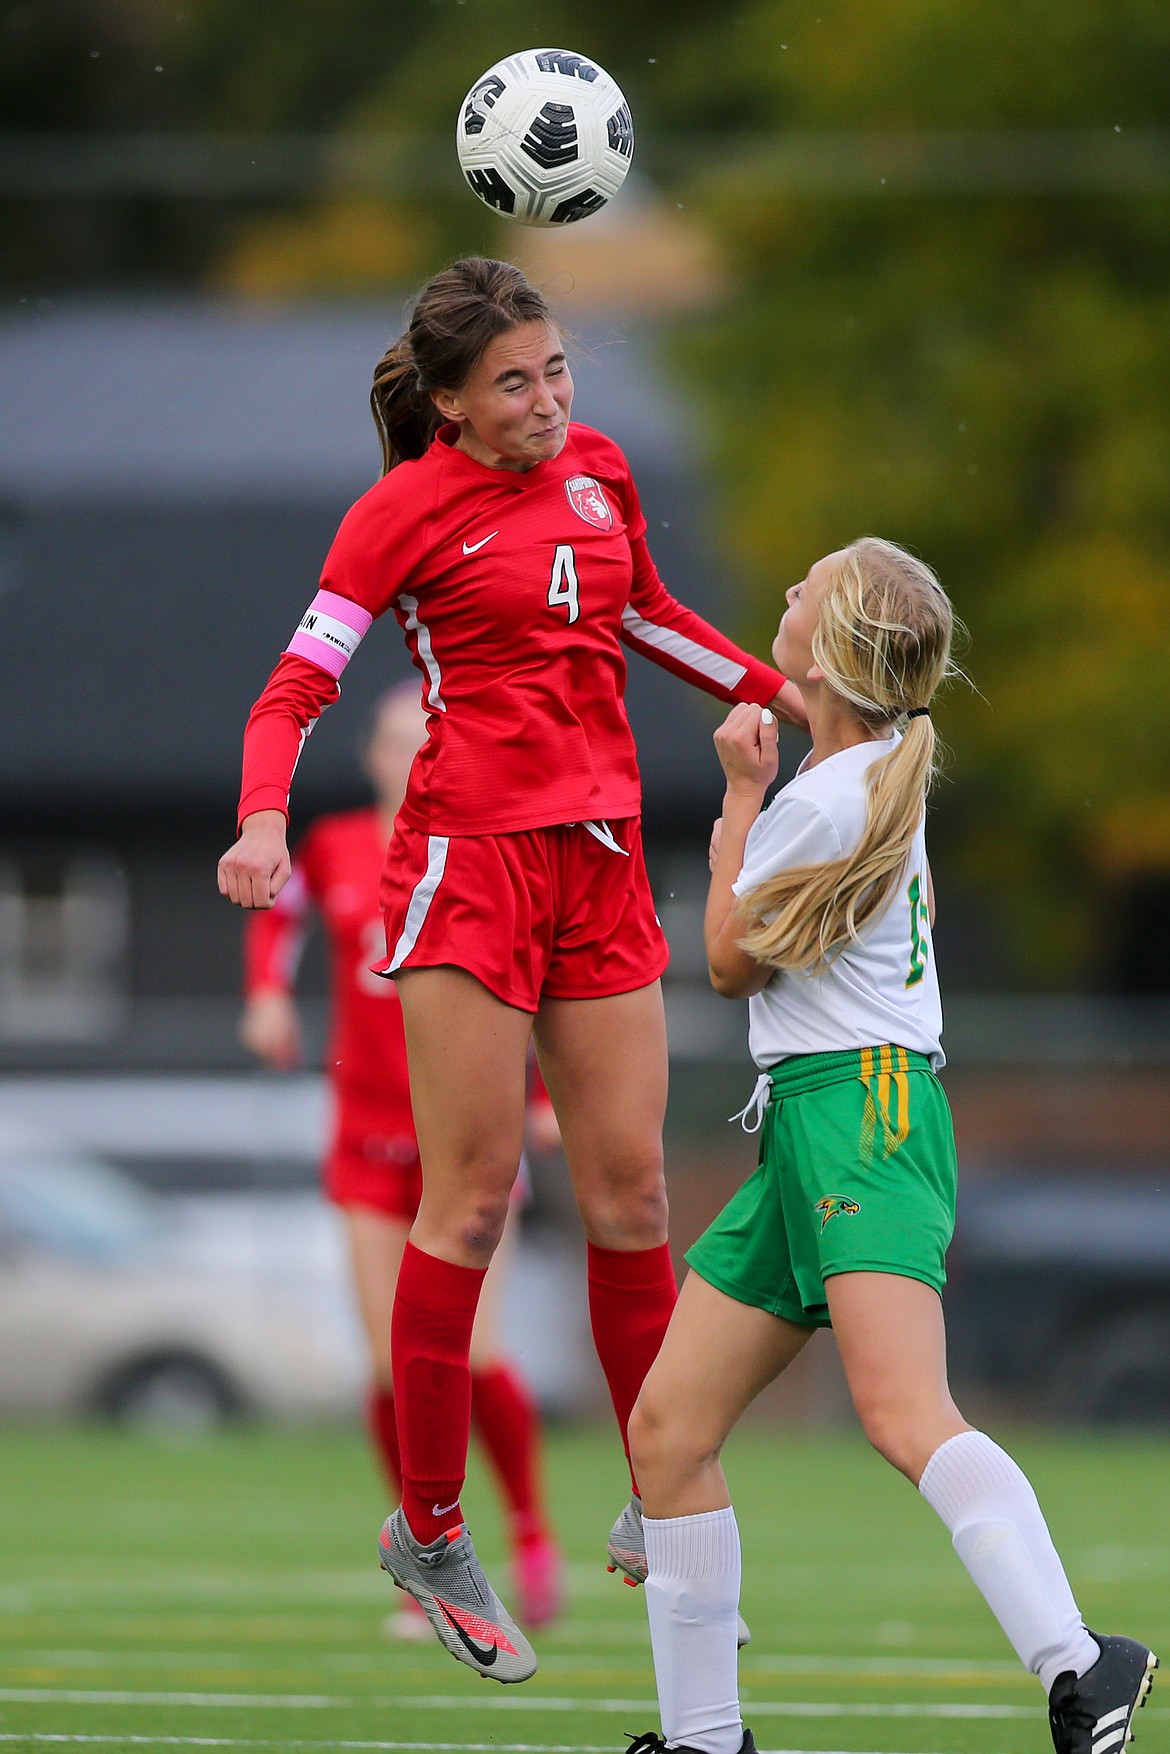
331,630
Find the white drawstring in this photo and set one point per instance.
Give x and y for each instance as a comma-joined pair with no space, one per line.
751,1115
601,831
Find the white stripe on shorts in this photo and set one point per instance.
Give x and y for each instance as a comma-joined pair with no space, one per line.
420,901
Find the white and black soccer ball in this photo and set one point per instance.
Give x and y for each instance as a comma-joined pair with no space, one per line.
545,136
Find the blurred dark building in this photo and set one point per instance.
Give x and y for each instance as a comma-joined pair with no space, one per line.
171,475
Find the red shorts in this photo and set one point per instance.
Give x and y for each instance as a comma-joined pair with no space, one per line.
545,913
371,1164
372,1159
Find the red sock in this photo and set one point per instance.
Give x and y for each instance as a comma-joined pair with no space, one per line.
383,1430
631,1295
509,1426
430,1337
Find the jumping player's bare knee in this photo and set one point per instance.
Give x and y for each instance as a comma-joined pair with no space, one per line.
625,1208
480,1227
466,1228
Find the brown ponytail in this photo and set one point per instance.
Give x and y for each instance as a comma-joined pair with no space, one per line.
454,318
406,420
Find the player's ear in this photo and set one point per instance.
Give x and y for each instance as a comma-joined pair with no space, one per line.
448,404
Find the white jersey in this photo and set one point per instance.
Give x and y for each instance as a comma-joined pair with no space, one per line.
884,987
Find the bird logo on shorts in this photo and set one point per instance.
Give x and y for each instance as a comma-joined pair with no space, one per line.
834,1206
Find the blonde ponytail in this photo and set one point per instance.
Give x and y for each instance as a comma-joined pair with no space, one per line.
883,642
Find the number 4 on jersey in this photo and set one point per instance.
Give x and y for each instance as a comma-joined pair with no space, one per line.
562,587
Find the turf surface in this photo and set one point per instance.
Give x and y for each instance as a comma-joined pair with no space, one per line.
225,1595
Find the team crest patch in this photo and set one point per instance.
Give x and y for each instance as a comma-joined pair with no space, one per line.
834,1206
588,501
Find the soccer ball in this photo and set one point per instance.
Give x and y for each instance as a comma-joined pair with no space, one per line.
545,136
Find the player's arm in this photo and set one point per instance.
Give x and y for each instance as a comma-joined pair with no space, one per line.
788,704
746,743
668,633
253,872
273,940
356,585
930,908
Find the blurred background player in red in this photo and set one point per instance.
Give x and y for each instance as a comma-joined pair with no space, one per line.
372,1169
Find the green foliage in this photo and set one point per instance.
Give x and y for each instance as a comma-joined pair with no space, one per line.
983,376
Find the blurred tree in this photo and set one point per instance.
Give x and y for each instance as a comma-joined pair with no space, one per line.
981,375
986,379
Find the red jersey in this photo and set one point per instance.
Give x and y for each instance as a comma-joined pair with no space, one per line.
515,591
336,871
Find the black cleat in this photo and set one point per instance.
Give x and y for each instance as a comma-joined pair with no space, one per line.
653,1743
1093,1715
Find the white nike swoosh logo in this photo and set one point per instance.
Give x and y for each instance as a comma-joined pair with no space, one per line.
442,1509
473,547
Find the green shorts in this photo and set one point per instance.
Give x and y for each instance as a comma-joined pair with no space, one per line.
857,1174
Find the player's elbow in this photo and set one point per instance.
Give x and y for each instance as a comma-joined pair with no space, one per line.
734,979
722,981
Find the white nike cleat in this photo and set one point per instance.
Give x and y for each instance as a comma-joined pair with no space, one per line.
448,1582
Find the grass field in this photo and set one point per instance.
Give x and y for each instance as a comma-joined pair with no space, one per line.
225,1596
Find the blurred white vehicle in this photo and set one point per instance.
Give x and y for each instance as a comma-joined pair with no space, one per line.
176,1311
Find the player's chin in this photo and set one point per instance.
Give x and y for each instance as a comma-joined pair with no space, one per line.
546,445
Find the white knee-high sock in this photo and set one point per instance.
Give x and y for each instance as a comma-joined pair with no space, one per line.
692,1596
1000,1534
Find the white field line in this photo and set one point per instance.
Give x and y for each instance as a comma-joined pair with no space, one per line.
754,1709
397,1747
446,1702
954,1670
359,1584
348,1585
432,1747
597,1632
244,1742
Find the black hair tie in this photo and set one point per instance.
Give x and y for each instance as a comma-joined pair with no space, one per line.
918,712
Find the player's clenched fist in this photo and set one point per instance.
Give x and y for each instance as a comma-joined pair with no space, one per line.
256,869
746,745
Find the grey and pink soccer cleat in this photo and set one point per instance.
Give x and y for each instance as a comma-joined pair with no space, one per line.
448,1582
